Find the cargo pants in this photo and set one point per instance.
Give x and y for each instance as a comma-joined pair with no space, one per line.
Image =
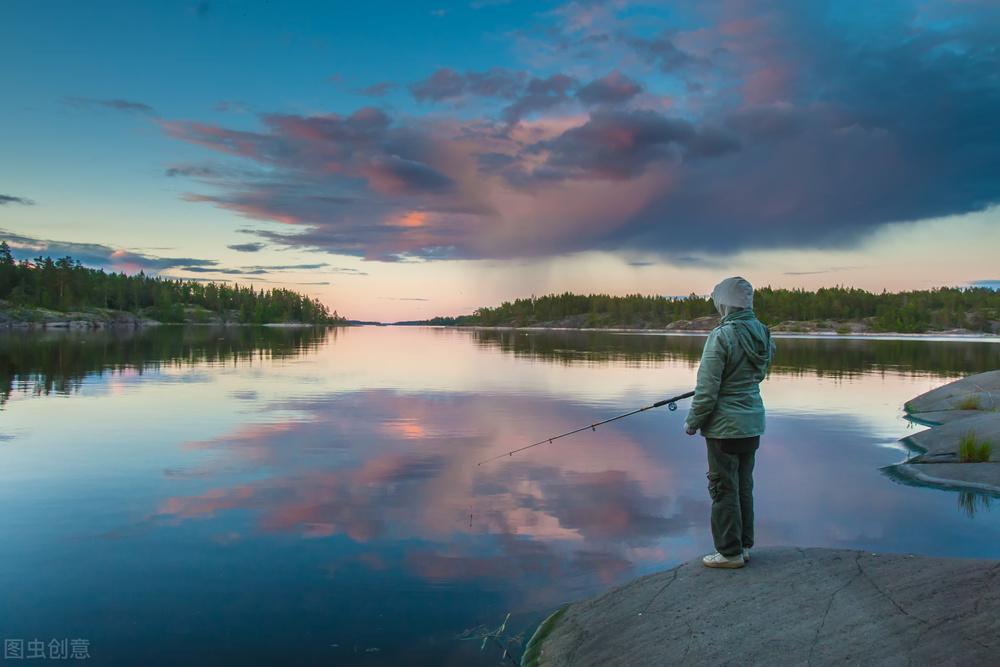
730,484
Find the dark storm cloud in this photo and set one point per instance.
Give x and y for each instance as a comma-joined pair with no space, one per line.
614,88
798,128
11,199
395,174
905,130
620,145
127,106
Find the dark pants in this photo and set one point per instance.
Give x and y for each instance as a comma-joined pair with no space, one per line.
730,483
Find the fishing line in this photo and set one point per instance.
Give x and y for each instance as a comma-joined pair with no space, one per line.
671,404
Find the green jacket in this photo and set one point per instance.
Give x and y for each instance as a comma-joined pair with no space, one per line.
736,358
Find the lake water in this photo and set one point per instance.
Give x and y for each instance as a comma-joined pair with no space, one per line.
207,496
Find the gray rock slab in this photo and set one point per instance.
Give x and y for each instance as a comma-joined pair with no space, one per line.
983,388
938,417
941,443
791,606
974,477
706,323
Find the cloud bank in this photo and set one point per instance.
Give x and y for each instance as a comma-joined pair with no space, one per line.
722,127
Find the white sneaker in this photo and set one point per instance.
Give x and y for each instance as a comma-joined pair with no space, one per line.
718,560
746,555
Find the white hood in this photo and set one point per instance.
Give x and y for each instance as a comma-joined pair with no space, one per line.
732,294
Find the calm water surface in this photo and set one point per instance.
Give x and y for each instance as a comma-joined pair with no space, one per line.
206,496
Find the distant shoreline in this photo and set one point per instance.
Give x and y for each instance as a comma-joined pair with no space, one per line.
102,319
153,324
883,335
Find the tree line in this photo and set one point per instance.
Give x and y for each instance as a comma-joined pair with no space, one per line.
64,284
916,311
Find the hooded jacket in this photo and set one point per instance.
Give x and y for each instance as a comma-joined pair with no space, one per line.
736,358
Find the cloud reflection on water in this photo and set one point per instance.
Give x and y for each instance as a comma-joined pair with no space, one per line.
386,466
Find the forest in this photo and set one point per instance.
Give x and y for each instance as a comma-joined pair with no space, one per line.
65,285
918,311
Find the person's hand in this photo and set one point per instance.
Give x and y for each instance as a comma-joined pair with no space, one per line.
690,430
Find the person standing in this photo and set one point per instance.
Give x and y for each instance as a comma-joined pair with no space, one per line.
728,410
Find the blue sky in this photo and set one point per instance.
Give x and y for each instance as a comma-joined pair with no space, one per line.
408,159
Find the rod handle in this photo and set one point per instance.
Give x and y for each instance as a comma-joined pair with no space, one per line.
671,403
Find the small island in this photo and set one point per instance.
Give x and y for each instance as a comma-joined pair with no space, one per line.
63,294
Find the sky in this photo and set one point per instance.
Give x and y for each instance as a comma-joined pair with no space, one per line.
400,160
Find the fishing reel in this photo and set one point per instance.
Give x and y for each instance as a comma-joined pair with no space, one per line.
672,407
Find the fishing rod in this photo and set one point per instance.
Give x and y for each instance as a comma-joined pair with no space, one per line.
671,404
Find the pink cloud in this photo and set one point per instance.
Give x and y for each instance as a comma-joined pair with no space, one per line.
676,172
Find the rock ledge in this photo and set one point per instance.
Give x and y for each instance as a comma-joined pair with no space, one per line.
789,606
963,408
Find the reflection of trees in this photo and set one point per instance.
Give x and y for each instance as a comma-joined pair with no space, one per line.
569,347
833,356
970,502
59,361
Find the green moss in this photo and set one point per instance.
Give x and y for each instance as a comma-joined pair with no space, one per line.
973,450
970,402
533,651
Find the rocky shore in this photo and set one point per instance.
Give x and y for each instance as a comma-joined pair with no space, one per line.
23,317
789,606
94,318
961,449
